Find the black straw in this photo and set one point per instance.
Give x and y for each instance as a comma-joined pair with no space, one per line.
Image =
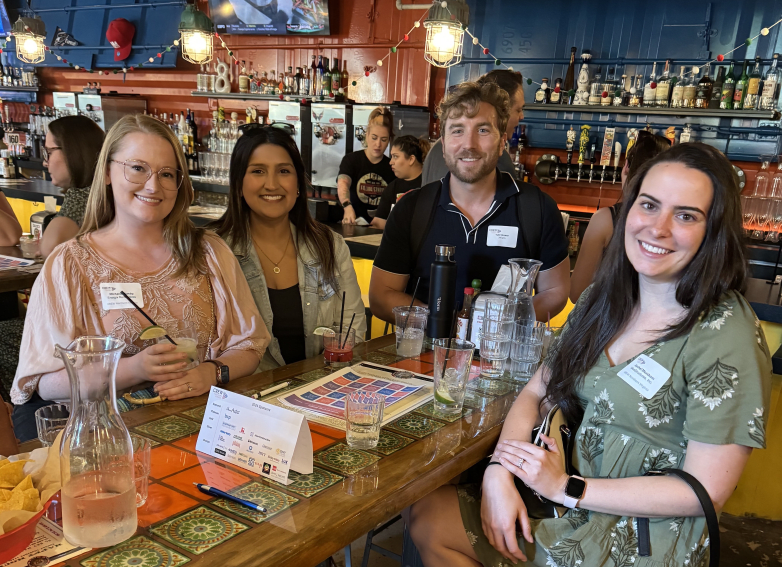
342,314
448,348
409,309
348,333
140,310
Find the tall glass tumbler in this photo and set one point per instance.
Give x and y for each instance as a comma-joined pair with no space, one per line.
363,416
452,362
496,337
525,350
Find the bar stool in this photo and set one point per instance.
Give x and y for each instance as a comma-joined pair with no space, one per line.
369,546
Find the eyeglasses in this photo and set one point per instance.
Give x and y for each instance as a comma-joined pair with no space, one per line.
139,172
251,127
47,152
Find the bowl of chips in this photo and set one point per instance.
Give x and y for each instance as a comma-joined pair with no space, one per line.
28,484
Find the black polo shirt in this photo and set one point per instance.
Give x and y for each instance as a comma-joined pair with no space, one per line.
481,250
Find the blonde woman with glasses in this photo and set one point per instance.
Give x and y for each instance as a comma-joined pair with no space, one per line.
137,232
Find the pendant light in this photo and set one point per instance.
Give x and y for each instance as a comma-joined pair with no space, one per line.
197,32
445,32
30,34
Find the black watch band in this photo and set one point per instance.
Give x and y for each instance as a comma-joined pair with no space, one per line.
222,376
345,204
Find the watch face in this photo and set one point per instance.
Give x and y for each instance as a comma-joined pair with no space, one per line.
575,487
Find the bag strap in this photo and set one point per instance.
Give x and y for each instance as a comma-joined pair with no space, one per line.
423,216
530,213
644,543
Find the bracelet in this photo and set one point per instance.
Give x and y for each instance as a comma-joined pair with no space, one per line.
494,463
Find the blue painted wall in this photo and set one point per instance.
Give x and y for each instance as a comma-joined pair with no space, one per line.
686,31
156,28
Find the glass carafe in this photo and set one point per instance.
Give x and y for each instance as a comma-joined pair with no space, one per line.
523,272
96,455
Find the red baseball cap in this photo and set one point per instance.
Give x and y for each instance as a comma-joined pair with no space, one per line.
120,35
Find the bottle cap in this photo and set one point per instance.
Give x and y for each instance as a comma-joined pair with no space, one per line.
468,291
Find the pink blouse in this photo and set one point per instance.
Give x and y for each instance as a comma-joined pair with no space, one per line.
66,303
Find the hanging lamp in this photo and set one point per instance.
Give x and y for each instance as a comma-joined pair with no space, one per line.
444,33
30,34
196,35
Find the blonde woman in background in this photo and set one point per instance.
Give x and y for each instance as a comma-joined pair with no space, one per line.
137,231
364,175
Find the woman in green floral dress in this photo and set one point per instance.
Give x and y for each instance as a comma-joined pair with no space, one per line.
668,288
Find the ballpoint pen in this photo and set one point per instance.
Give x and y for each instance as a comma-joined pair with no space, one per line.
271,390
206,489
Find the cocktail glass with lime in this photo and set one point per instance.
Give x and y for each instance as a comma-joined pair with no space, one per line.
185,336
452,361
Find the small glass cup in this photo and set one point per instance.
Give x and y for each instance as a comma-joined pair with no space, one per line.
50,420
496,337
338,347
363,416
30,246
452,361
525,350
142,449
186,338
410,329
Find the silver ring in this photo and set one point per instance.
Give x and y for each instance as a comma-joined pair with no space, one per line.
189,387
521,464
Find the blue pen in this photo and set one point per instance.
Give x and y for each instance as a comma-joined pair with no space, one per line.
206,489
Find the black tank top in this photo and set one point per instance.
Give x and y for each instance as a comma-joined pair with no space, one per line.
288,325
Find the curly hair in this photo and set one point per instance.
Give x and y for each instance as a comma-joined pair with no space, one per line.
465,100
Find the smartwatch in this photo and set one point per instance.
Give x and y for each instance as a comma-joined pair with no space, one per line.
345,204
574,491
222,372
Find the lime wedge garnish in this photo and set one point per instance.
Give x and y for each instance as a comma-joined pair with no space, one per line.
443,397
320,331
152,332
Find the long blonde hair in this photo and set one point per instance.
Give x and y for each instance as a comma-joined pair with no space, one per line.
179,232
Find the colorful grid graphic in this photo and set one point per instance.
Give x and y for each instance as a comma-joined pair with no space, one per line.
328,398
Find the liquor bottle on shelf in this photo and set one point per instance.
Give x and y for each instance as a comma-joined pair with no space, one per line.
463,317
582,93
741,88
319,77
677,93
263,83
637,92
290,82
627,84
336,77
686,134
753,87
690,90
728,88
596,88
326,78
569,84
271,86
618,95
650,87
556,93
281,82
662,96
254,81
716,91
244,79
703,91
770,93
313,75
542,95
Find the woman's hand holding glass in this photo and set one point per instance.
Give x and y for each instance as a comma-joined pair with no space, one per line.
541,469
194,382
160,363
501,509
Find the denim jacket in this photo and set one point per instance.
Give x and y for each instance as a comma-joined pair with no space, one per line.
320,302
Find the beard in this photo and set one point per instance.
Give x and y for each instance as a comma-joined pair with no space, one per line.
489,164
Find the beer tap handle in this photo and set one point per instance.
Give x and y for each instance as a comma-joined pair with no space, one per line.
617,155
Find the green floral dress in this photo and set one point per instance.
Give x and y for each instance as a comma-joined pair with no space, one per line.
718,393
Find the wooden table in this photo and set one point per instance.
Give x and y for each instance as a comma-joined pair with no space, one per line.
425,453
13,280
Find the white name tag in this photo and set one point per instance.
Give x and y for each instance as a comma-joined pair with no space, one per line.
645,375
505,236
259,437
111,295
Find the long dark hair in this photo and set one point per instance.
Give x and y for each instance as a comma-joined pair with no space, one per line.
80,141
718,266
234,226
647,146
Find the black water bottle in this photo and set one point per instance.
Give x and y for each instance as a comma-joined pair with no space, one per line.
442,292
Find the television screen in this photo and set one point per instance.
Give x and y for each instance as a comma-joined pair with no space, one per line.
5,23
271,17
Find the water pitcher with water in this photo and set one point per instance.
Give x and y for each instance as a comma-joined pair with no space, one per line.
523,272
96,454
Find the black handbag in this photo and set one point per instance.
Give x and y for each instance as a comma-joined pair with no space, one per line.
553,425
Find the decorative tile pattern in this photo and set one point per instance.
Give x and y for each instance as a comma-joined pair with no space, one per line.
477,400
199,530
152,442
169,428
314,374
379,357
390,349
496,387
430,411
196,413
139,551
308,485
273,500
416,425
342,458
391,442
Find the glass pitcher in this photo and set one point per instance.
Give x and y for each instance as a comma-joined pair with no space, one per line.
96,454
523,272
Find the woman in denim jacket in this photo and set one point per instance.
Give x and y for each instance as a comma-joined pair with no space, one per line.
297,268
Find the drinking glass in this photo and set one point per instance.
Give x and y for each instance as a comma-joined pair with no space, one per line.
205,160
452,362
186,338
410,328
496,337
338,346
526,347
776,222
363,416
763,214
142,449
50,420
746,212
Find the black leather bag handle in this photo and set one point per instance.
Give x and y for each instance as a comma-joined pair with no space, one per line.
644,543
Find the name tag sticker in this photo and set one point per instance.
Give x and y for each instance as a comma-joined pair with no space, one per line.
111,296
505,236
645,375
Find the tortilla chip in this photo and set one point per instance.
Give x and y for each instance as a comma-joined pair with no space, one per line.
11,474
26,484
4,462
4,495
31,500
16,502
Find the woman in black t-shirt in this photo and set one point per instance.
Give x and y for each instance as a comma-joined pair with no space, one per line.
364,175
407,160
